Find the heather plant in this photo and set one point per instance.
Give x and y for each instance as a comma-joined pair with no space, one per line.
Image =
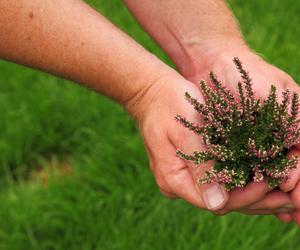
248,139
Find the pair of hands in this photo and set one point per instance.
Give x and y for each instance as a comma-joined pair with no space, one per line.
162,136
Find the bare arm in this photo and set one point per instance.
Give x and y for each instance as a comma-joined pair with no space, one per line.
188,30
70,39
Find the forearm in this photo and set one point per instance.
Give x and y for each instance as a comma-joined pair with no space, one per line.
69,39
188,30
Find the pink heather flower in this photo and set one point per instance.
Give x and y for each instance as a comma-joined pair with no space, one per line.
258,175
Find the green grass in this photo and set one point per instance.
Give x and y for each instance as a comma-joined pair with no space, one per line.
105,197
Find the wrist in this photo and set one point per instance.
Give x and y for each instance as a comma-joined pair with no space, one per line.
201,56
139,103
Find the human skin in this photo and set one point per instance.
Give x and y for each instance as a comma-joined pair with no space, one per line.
203,36
71,40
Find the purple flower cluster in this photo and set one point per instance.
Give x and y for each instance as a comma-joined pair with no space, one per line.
248,139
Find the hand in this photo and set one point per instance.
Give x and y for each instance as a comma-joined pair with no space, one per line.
155,110
263,75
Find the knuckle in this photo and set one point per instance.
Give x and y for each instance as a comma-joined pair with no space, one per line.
168,175
173,181
152,132
171,178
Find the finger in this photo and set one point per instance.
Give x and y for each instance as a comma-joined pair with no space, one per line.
293,87
295,195
273,201
182,184
213,195
293,176
157,159
172,174
256,212
243,197
284,217
159,177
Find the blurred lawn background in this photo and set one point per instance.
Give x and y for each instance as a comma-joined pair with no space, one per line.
73,172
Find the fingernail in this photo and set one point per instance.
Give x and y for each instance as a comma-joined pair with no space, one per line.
214,196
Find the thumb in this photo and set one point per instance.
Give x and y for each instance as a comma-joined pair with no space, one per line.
213,194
